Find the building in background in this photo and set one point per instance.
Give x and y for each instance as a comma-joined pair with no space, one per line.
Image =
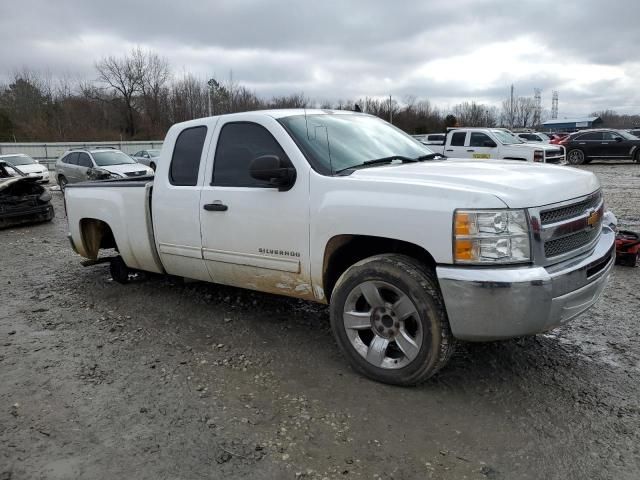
570,124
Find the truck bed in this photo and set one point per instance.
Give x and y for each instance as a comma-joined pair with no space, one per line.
125,207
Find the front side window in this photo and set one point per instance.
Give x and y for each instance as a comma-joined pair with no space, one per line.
238,144
185,161
334,142
478,139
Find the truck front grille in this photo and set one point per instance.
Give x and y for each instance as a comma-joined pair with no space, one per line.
553,248
560,214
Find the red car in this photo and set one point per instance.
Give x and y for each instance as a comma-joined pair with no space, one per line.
556,138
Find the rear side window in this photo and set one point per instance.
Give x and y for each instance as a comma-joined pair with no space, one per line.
238,145
590,136
71,159
185,161
457,139
84,160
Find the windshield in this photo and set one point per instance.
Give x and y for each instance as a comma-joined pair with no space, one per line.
153,153
336,142
506,138
104,159
20,160
544,136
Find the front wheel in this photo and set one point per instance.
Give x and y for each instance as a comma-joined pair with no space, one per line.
388,318
637,157
152,166
62,181
575,156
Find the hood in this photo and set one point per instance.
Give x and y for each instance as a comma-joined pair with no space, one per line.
32,168
125,168
518,184
540,145
8,181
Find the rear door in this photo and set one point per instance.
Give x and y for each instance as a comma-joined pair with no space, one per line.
456,147
591,143
84,164
70,166
176,203
253,235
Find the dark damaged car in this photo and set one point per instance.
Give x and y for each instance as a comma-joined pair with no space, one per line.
22,199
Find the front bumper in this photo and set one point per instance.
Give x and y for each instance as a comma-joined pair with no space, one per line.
494,303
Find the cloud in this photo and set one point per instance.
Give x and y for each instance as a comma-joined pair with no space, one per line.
440,50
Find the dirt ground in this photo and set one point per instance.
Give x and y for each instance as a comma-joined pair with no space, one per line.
162,379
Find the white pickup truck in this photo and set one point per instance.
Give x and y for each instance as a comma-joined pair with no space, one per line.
342,208
496,143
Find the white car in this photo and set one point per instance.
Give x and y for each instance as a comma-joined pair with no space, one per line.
411,253
28,166
147,157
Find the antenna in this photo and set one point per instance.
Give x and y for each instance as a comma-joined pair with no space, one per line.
554,105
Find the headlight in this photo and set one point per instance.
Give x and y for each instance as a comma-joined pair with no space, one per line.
150,171
491,236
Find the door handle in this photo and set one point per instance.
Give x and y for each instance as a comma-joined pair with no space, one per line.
215,207
449,149
470,150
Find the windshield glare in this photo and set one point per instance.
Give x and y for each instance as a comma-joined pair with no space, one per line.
20,160
105,159
627,135
506,138
334,142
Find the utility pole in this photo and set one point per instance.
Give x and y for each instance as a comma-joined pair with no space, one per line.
554,105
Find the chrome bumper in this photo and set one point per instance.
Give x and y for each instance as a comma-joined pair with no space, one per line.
493,303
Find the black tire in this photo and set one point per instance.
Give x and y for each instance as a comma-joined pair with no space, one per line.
62,182
576,156
637,156
152,166
429,321
119,270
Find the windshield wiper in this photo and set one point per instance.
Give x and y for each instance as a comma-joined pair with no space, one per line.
380,161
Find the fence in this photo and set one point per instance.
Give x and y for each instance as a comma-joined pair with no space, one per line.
48,153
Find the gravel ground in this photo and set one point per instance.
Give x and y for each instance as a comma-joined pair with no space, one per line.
163,379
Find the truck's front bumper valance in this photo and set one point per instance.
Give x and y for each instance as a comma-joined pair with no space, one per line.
494,303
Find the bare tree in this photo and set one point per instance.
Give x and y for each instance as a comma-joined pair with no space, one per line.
124,75
525,111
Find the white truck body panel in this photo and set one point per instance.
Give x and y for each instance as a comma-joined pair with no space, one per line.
245,245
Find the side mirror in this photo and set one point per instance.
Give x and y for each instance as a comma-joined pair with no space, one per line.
271,169
618,139
489,143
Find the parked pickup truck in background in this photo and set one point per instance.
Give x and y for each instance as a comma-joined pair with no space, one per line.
342,208
496,143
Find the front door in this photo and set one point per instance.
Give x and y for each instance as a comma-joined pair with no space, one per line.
253,235
480,146
615,146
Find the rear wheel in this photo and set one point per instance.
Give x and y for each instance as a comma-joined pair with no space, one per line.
388,318
575,156
62,181
119,270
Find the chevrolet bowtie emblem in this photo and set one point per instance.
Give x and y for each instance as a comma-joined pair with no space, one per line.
593,218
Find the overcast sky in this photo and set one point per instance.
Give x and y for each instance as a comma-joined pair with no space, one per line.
443,50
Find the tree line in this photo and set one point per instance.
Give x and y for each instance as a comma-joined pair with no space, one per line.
138,96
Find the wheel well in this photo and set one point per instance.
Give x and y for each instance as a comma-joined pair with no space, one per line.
96,235
342,251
